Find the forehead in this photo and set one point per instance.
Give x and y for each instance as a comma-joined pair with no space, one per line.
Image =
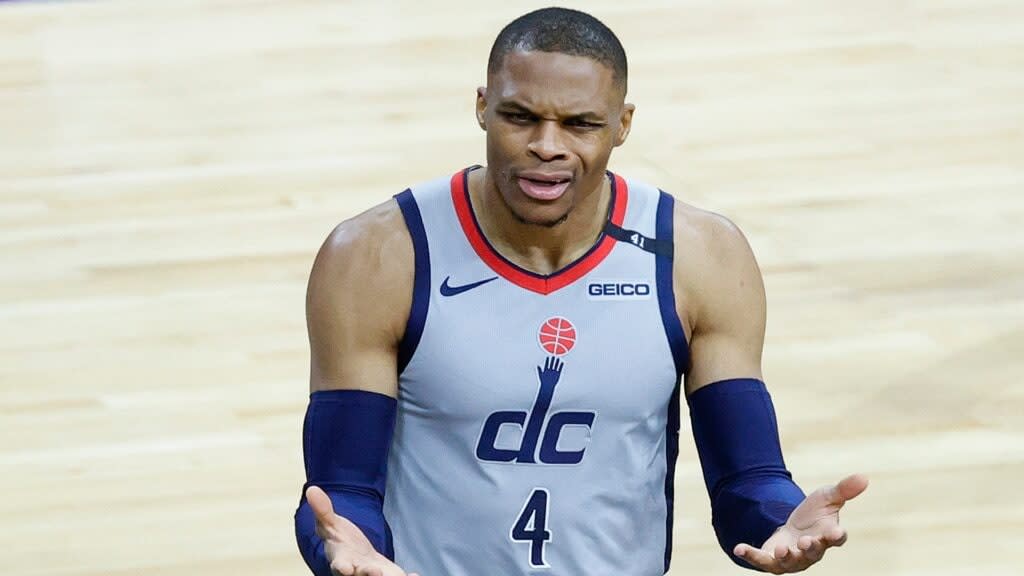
552,80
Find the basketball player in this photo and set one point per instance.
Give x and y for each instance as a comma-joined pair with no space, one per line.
497,355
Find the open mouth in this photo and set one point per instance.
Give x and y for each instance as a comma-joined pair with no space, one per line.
544,189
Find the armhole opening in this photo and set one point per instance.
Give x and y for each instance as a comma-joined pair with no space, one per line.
421,279
664,224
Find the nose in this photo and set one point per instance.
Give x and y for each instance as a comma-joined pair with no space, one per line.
546,143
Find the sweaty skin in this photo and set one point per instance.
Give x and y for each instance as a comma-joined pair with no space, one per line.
552,117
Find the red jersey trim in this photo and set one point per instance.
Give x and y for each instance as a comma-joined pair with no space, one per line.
538,283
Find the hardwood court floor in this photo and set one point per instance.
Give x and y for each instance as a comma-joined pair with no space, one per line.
168,169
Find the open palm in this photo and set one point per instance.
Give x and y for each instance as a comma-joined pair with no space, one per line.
347,548
812,528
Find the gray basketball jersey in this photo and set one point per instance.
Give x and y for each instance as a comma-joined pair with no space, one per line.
537,424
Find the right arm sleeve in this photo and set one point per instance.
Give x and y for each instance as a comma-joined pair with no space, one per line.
346,437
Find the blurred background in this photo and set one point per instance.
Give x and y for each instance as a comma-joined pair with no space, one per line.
168,170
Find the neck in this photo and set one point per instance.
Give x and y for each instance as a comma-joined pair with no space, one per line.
539,249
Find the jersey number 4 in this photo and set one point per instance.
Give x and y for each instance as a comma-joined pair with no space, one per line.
532,527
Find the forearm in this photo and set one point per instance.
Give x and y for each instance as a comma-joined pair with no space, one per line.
346,438
737,438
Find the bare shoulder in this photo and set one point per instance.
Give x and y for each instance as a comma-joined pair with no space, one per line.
358,300
369,251
714,266
704,237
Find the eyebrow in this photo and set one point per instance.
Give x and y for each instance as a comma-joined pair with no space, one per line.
509,105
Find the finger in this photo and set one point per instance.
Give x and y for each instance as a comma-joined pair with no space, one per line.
835,536
343,567
789,558
320,503
782,552
847,489
814,550
370,571
757,558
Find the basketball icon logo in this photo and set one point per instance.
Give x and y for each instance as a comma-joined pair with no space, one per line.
557,336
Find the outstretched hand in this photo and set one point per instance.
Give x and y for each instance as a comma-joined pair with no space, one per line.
347,548
812,528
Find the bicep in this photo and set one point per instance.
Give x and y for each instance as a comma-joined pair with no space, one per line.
728,320
357,302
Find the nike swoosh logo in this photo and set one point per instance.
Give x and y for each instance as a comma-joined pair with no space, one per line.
447,290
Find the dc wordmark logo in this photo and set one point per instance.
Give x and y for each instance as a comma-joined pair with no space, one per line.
556,336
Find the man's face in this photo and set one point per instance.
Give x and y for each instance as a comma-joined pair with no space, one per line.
552,120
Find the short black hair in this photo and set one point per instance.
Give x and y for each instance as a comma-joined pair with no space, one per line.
561,30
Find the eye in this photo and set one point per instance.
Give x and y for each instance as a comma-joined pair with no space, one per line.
576,123
518,117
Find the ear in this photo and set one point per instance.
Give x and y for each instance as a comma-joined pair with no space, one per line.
481,107
625,124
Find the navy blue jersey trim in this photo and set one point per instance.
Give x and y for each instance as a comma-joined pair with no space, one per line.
666,290
645,243
671,454
421,281
680,351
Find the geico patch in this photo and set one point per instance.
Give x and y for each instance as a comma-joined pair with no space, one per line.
619,290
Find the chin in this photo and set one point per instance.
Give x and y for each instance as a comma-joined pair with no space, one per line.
536,213
543,221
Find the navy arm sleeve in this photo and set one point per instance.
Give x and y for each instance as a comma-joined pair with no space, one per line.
737,438
346,438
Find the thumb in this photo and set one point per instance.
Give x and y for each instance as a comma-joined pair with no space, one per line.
847,489
321,504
